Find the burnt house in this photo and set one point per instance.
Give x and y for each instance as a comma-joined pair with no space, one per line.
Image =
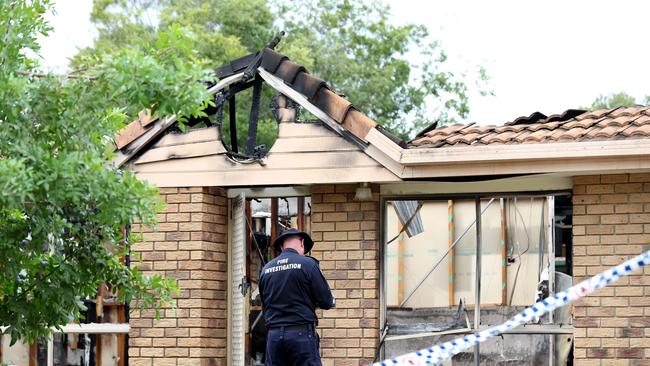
421,240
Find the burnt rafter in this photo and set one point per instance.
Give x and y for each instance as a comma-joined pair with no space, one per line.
229,96
254,115
249,64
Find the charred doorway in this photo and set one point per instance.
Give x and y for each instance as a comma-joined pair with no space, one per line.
258,221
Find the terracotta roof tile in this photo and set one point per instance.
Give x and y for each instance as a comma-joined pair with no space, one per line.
644,119
534,136
308,85
517,128
134,129
545,126
318,92
332,104
631,111
464,139
583,123
502,138
570,126
608,132
449,130
288,71
643,131
478,129
593,114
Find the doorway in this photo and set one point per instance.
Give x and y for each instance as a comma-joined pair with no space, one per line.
255,223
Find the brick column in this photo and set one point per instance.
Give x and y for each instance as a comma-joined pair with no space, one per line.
346,242
189,244
611,223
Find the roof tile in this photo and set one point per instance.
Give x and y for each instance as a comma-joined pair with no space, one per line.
271,60
288,71
332,104
546,126
642,120
515,128
318,93
464,139
643,131
308,85
358,123
502,138
604,124
630,111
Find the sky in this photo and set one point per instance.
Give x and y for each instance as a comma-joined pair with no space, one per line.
544,56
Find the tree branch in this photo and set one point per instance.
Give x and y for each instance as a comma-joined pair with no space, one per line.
66,76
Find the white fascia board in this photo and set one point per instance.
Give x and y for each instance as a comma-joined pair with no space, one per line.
386,145
542,151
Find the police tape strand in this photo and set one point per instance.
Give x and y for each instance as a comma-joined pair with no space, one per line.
437,354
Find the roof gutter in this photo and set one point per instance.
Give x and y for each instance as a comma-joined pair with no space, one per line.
588,157
570,157
495,153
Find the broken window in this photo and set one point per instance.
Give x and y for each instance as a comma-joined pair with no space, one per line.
430,283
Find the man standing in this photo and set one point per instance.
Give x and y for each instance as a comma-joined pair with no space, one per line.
292,286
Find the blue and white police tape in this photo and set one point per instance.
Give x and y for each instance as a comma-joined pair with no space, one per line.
436,354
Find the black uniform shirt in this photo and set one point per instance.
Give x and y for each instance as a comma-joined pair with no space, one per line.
292,287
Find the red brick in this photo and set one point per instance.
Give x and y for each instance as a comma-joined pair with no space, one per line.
629,353
586,179
600,352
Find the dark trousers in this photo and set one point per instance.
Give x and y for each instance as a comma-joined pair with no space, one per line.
296,345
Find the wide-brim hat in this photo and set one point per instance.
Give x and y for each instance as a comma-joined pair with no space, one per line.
293,232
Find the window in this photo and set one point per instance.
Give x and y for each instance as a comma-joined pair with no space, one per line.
430,283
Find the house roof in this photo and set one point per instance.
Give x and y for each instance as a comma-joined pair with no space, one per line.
296,77
574,141
570,126
304,153
317,91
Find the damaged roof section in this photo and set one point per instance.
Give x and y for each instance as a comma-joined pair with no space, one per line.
570,126
315,95
317,91
134,130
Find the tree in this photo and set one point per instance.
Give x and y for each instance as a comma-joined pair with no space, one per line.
614,100
63,207
351,45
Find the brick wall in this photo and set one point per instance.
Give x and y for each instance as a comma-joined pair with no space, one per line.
612,223
346,236
190,245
